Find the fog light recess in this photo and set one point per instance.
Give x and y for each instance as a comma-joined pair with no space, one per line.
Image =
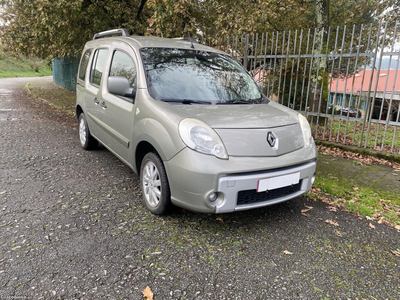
213,197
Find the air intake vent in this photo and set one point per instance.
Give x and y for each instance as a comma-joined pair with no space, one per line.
251,196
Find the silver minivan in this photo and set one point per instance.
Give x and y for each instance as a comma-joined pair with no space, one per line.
192,123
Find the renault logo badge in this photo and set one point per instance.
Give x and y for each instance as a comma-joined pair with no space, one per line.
271,139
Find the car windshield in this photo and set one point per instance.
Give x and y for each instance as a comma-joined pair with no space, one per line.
197,77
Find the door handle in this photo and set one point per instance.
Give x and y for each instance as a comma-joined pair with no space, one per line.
96,101
103,104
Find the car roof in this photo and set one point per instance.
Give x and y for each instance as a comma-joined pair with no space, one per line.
138,42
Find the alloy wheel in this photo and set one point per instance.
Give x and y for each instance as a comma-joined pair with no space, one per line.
151,184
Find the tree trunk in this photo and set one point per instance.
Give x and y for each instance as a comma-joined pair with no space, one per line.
320,66
322,14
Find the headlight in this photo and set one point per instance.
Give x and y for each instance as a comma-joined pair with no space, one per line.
200,137
305,127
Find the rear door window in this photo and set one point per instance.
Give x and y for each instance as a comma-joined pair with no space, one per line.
84,64
98,66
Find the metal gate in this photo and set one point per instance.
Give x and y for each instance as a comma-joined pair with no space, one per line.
64,71
345,80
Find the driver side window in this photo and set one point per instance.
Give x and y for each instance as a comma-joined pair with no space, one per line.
122,65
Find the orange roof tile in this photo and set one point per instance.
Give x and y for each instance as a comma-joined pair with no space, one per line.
364,84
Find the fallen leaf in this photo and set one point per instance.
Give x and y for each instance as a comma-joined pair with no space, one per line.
338,232
331,222
332,208
356,188
372,225
397,253
219,219
308,208
3,192
287,252
148,293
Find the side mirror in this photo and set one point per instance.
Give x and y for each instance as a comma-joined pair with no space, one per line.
118,85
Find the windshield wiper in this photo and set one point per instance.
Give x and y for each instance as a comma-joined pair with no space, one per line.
186,101
234,102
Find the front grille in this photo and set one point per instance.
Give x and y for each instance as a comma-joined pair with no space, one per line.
251,196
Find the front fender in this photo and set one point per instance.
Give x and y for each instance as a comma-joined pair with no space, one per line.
153,132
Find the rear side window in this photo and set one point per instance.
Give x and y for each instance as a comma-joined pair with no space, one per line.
98,66
84,64
122,65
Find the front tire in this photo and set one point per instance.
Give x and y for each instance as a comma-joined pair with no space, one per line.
86,139
154,184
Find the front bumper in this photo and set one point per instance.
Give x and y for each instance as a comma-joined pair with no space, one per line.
193,177
243,188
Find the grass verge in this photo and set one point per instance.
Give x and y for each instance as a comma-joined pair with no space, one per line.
12,65
53,94
383,207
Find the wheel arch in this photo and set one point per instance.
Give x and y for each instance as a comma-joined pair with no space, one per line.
142,149
78,110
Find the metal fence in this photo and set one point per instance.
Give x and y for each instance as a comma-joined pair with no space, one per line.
64,71
345,80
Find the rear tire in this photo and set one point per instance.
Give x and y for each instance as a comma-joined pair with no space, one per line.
154,184
87,141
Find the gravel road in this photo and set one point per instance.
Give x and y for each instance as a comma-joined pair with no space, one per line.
72,226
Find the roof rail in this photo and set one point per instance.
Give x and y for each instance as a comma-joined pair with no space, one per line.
187,38
121,31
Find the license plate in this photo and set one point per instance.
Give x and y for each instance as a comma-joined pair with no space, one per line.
277,182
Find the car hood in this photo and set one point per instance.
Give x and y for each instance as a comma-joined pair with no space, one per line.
246,129
240,115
